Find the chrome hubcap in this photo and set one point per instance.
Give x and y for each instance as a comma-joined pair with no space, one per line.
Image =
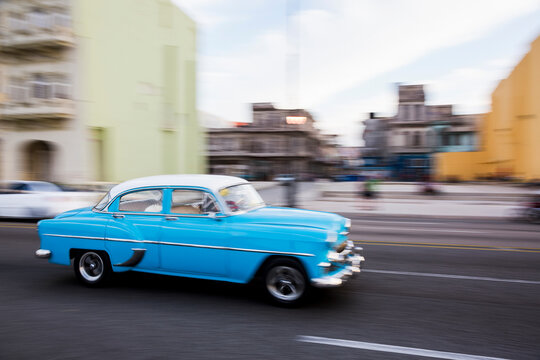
91,266
285,283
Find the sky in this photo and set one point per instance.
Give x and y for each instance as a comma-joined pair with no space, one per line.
341,59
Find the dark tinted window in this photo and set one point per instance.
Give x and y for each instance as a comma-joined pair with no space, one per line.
18,186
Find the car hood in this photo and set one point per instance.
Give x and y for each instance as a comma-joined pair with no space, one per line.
72,212
281,216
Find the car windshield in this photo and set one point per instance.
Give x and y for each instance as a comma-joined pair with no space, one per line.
103,202
241,197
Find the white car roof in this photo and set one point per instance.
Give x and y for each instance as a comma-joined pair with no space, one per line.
210,182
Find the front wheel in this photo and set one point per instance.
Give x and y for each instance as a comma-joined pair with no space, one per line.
92,268
285,282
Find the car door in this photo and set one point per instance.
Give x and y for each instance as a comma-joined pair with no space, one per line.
134,229
193,238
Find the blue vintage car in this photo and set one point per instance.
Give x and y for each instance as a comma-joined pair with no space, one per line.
202,226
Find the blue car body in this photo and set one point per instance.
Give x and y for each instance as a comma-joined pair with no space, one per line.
222,245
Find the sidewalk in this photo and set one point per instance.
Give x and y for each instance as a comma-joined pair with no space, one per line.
490,192
403,199
417,208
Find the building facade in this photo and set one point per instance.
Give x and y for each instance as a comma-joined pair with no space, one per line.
278,141
407,142
509,132
375,153
97,90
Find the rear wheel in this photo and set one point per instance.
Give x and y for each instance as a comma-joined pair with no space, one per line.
285,282
92,268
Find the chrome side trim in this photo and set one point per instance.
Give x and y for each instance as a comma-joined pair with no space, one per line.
185,245
134,241
76,236
237,249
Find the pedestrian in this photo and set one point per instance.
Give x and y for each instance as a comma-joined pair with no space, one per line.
368,194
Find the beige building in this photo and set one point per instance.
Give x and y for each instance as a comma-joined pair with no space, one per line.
36,90
97,90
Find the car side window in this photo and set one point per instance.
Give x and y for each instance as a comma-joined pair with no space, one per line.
18,187
193,202
142,201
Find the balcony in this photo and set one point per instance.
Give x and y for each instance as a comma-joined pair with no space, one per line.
241,153
37,31
412,123
37,109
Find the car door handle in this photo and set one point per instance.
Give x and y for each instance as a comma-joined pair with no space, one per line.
171,218
118,216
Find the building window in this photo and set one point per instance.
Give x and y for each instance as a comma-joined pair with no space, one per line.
430,138
417,141
418,163
405,112
257,147
213,144
405,138
61,89
17,22
41,89
17,92
412,113
245,145
62,20
419,113
40,19
52,86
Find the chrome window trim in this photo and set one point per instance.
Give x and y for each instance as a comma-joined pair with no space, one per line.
184,244
105,209
217,197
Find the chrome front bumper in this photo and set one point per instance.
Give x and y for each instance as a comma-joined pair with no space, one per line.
350,259
43,254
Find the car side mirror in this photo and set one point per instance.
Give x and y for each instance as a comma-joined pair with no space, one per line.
215,215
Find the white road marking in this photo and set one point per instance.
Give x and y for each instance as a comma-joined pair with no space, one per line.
385,222
462,277
400,229
392,348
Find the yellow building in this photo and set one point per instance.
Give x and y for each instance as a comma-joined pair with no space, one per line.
509,134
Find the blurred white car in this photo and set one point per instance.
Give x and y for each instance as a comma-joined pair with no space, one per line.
40,199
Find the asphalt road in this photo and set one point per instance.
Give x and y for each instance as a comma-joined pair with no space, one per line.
430,287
